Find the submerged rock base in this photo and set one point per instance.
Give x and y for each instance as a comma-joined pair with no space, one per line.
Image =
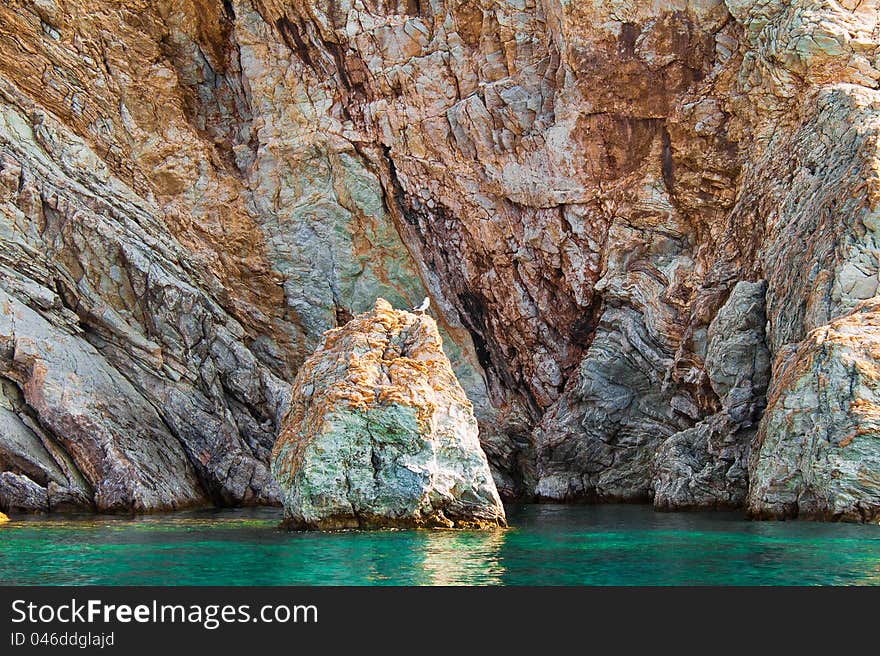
381,435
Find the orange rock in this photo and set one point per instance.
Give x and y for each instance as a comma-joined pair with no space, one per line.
380,433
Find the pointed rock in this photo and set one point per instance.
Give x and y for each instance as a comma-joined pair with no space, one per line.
380,433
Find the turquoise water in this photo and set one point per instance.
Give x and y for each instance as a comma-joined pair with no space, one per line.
547,545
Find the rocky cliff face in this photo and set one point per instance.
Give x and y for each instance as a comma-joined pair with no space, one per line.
633,219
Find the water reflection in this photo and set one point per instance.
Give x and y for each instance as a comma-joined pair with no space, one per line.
549,545
469,558
871,575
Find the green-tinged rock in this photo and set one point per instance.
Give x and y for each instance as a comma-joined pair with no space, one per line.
818,450
380,433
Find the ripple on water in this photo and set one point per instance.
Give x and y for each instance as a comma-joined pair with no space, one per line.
546,545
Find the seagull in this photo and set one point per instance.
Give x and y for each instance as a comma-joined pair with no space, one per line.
423,306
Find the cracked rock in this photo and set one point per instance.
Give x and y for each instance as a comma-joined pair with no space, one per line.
380,433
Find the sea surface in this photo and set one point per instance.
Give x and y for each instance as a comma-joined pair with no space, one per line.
546,545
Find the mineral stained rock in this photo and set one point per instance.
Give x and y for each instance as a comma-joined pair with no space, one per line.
707,466
193,191
380,433
819,449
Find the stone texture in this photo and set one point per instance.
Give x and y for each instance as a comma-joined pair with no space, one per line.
380,433
123,453
195,191
173,199
707,466
819,449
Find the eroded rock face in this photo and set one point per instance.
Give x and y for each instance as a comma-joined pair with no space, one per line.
178,204
707,466
818,454
129,459
581,187
380,433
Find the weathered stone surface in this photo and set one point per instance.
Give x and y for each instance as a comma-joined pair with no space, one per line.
804,118
197,190
707,466
21,494
380,433
121,451
818,454
737,358
173,198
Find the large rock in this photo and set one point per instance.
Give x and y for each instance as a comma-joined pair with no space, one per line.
818,453
380,433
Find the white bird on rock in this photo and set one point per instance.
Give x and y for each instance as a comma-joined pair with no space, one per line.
423,306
